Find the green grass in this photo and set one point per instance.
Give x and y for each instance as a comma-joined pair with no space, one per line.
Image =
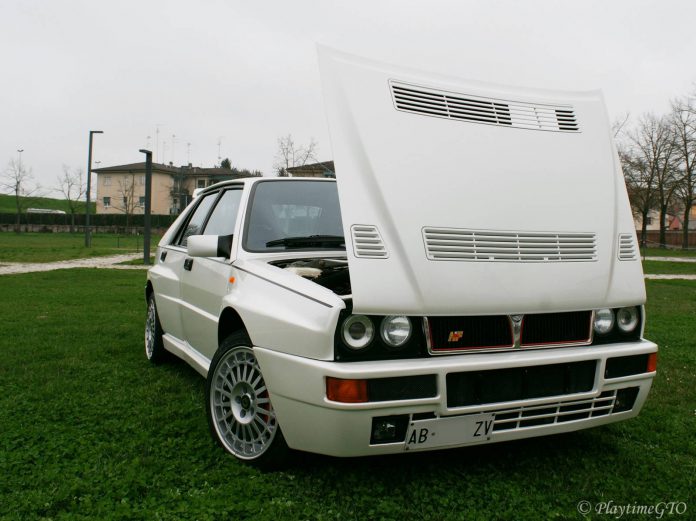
50,247
90,430
669,268
137,262
7,204
667,252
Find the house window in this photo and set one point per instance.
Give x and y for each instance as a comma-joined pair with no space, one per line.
649,221
107,202
200,183
142,180
107,180
141,201
125,201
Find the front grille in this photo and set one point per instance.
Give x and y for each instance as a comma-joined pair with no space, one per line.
456,334
556,328
453,333
519,383
556,412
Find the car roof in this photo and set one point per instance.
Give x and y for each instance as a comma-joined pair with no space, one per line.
253,180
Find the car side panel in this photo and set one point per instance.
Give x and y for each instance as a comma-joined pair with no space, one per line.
202,290
164,276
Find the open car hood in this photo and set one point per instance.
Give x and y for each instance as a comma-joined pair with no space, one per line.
461,197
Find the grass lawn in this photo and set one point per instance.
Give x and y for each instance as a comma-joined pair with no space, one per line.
8,204
669,268
90,430
50,247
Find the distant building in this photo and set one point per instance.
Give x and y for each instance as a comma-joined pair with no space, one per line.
121,188
324,169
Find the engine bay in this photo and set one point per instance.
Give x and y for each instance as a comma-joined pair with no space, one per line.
330,273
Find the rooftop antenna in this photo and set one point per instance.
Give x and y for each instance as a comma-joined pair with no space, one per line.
219,145
164,152
157,132
173,142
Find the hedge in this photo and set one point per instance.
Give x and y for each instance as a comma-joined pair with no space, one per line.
157,221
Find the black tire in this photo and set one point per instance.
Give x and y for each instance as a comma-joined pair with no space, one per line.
154,346
240,415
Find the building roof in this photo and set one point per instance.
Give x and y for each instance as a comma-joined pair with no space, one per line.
135,168
323,169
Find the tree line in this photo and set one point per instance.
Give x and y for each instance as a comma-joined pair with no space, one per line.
658,156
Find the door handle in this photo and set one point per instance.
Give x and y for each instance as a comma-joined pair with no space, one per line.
163,255
188,264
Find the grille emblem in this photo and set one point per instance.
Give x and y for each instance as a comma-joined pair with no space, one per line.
516,321
455,336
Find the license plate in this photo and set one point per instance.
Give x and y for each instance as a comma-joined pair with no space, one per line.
443,432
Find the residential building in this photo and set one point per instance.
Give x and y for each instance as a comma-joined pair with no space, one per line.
323,169
121,188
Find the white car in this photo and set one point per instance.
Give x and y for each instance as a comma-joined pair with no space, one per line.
472,277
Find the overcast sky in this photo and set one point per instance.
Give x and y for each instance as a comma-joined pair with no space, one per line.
244,73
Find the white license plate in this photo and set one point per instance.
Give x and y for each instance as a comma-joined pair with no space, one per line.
443,432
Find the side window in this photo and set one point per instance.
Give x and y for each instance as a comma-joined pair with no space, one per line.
194,226
224,216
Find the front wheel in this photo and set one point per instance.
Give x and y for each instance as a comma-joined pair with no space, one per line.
240,414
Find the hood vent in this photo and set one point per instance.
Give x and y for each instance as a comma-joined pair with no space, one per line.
475,109
505,246
367,242
627,247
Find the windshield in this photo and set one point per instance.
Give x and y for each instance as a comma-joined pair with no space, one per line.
294,215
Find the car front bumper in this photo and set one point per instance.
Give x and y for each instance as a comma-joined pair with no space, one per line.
313,423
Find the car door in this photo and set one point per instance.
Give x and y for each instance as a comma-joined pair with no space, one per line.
171,265
204,280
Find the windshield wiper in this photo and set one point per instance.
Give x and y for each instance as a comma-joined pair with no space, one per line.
321,241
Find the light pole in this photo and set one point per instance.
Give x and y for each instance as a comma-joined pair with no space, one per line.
148,197
88,237
19,155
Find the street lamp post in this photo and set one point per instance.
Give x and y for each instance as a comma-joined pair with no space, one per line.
19,155
88,237
148,207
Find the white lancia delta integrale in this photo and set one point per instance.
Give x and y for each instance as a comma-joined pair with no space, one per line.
471,277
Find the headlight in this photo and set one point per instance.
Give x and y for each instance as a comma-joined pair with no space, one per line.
395,330
627,319
603,321
358,331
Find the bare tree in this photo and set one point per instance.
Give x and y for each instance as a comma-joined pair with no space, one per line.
127,202
72,185
640,183
683,122
289,154
654,148
19,182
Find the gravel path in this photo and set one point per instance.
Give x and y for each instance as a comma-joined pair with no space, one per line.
9,268
672,259
112,262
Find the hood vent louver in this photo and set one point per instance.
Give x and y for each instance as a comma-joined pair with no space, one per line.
506,246
476,109
367,242
627,247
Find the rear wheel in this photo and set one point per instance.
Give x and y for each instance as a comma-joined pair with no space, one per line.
154,346
240,414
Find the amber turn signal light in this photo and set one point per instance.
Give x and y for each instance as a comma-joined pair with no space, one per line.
652,362
346,391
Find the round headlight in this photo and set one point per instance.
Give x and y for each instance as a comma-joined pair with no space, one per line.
358,331
603,321
395,330
627,319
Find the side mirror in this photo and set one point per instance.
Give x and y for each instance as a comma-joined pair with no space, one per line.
209,246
